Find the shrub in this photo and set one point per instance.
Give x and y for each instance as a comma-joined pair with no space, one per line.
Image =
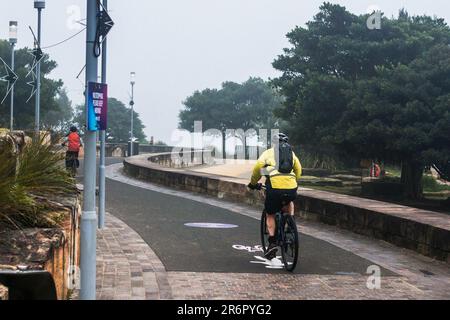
29,183
431,185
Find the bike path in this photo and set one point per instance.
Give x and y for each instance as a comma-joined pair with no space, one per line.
160,219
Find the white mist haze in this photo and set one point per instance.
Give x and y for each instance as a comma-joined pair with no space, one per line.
179,46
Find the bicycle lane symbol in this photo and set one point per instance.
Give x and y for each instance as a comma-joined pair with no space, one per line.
269,264
249,249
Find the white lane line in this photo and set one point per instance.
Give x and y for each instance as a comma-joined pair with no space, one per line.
207,225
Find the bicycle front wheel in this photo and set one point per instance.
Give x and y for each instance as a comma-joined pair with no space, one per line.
289,249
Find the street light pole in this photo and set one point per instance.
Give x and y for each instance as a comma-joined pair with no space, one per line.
132,82
12,41
102,167
39,5
89,217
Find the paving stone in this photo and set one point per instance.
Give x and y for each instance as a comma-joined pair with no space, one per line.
120,274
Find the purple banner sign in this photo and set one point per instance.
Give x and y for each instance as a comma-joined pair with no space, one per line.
97,106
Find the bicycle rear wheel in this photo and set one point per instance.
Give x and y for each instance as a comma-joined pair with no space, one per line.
73,169
264,232
289,248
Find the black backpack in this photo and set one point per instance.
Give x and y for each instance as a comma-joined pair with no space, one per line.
285,158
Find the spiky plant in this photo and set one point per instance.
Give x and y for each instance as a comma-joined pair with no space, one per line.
29,183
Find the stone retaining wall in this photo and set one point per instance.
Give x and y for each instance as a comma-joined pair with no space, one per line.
423,231
429,240
52,250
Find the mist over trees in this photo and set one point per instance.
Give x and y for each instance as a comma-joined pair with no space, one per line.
381,94
245,106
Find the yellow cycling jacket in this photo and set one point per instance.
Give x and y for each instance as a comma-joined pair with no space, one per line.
266,166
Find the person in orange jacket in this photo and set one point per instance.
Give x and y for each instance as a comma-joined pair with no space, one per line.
74,143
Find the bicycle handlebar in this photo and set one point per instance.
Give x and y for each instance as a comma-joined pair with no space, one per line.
257,187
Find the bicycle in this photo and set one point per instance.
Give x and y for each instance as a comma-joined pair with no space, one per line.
72,163
286,234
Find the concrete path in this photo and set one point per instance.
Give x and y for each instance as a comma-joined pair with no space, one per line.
230,168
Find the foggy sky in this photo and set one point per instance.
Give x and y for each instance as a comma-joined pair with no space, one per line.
179,46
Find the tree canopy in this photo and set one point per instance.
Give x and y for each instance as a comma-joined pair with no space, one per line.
56,109
382,94
119,122
235,106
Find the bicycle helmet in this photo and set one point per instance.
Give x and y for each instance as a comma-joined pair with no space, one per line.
280,138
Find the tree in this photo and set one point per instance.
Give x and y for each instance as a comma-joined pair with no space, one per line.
235,106
406,115
119,122
60,118
56,108
370,93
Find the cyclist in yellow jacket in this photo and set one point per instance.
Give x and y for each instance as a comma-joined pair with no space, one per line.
282,170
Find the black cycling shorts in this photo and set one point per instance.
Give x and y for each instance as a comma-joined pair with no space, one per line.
276,199
72,159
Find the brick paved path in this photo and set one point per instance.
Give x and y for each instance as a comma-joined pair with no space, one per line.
129,269
126,266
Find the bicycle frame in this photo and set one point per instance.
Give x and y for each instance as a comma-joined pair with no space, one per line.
282,219
279,231
279,220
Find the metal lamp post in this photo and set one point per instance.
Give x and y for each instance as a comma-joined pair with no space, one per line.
132,82
12,41
89,218
102,166
39,5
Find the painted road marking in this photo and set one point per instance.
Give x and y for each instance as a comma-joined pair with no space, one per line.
270,264
275,263
248,248
205,225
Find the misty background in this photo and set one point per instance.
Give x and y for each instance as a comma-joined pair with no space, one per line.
177,47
